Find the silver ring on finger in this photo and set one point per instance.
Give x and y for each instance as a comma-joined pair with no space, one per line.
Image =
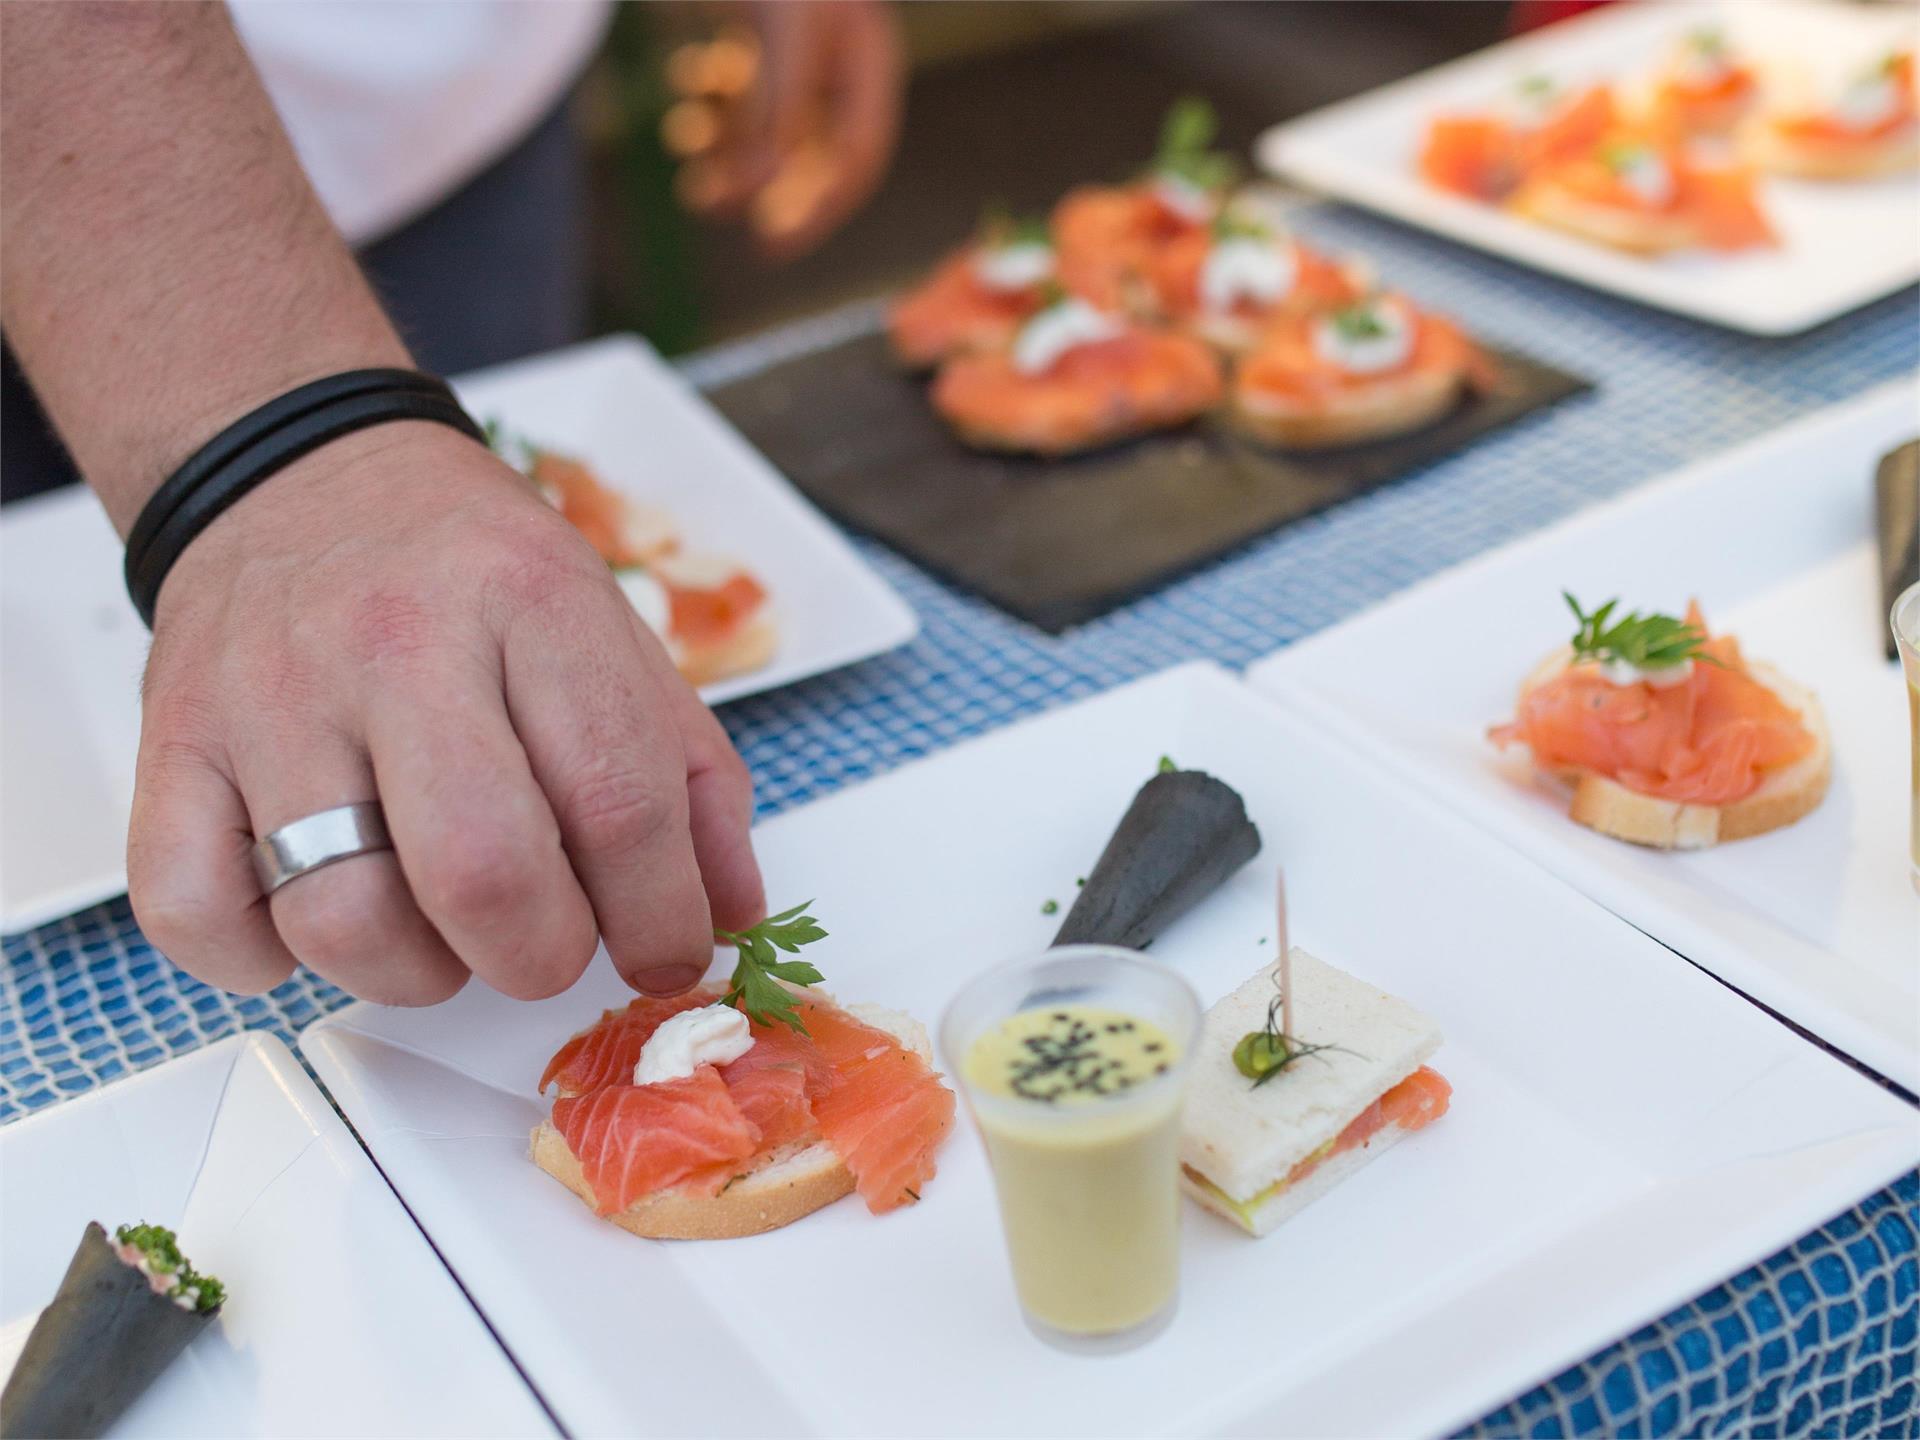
319,839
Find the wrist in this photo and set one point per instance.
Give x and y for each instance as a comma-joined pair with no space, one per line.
126,466
259,447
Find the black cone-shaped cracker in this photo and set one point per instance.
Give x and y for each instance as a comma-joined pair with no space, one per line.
105,1338
1184,834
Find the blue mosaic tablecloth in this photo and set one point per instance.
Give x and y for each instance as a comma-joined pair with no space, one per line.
1820,1339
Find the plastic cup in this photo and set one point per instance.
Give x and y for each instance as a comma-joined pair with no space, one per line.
1906,634
1089,1191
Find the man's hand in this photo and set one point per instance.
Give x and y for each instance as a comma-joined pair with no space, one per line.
810,138
399,615
395,616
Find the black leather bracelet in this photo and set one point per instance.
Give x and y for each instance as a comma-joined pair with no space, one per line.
261,443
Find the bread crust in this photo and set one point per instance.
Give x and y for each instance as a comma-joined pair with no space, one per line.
777,1193
1555,208
1787,795
1780,155
1395,406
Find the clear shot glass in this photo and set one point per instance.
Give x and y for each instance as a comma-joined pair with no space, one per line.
1087,1171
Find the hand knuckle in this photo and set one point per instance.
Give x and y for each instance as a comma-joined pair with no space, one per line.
618,804
475,875
535,573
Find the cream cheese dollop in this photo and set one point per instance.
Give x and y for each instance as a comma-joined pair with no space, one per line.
1663,677
1184,198
1869,99
1367,354
1701,59
1645,173
1019,266
706,1035
1058,329
1256,268
1531,101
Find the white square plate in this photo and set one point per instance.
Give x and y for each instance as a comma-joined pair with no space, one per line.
72,649
1625,1131
340,1320
1842,245
1776,539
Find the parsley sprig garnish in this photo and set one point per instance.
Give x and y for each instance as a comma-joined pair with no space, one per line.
1360,321
1001,229
1186,138
755,987
1646,642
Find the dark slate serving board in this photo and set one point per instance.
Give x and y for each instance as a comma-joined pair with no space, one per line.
1060,542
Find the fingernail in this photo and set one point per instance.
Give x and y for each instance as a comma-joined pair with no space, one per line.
668,979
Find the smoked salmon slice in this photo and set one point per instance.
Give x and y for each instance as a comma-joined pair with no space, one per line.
606,1051
887,1111
1138,381
954,312
623,531
1709,740
1415,1103
632,1140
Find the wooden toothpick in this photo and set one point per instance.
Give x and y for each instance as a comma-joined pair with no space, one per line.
1286,961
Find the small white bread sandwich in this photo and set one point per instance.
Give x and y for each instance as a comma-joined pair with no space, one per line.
736,1141
1669,737
1353,1082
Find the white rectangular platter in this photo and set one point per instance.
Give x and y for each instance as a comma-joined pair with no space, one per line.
72,648
340,1320
1625,1131
1842,245
1816,920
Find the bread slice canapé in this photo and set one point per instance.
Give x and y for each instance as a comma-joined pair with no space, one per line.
1783,796
772,1189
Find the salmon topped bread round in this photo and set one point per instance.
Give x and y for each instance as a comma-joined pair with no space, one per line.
800,1119
977,298
1376,368
1704,88
1077,378
1232,282
1484,155
1871,127
1680,749
1642,192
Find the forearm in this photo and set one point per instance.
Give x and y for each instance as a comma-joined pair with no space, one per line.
167,267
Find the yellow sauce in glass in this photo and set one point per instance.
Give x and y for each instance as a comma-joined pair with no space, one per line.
1085,1152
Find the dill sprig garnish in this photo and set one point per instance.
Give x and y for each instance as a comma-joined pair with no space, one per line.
1186,138
1646,642
755,987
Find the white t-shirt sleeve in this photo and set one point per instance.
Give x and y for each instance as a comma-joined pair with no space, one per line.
394,104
